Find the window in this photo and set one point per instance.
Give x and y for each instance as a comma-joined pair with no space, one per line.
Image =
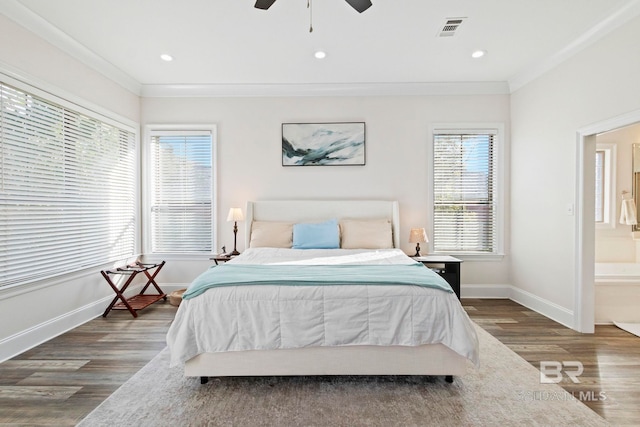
68,188
605,179
182,191
600,154
465,197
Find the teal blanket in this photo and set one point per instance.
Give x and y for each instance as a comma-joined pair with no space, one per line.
315,275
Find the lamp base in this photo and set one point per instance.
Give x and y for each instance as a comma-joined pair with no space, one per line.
417,250
235,252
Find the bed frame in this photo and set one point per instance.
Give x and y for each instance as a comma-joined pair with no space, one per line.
430,359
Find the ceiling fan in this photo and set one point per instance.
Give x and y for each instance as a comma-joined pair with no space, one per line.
359,5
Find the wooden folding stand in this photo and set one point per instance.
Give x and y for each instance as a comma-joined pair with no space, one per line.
139,301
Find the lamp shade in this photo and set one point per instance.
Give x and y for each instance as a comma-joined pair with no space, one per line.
418,235
235,214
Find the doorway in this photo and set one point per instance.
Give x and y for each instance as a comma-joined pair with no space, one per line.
584,287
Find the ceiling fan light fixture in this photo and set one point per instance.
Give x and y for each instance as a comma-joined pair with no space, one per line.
359,5
264,4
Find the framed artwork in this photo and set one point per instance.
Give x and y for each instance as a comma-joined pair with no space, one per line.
323,144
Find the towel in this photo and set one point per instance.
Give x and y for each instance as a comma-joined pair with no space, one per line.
628,214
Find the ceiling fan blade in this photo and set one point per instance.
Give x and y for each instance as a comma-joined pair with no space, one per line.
359,5
264,4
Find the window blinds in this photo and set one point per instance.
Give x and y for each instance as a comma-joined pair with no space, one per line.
464,195
67,189
181,211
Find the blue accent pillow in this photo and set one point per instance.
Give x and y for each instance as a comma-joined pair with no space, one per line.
320,235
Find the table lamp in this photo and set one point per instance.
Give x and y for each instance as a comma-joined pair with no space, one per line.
235,215
417,236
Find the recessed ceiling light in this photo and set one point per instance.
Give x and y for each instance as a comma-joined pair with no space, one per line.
478,54
320,54
166,57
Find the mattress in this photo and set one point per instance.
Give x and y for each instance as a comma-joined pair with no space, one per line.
270,317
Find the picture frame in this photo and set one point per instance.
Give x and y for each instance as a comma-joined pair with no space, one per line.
323,144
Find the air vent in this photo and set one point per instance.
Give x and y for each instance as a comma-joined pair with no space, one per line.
450,27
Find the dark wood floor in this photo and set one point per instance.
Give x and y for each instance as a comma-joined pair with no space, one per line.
610,383
61,381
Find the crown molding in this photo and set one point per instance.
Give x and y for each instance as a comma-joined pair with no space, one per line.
620,17
33,22
325,89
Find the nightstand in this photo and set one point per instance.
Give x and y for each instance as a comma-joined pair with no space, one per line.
222,258
446,266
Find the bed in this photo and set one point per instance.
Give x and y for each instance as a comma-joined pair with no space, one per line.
328,322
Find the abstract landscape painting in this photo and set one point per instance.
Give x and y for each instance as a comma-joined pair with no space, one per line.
321,144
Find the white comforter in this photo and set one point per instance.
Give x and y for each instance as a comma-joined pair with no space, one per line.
264,317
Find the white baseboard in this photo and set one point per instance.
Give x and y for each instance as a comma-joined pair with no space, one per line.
38,334
171,287
546,308
485,291
533,302
32,337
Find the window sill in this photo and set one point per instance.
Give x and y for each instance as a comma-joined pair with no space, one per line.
473,257
167,256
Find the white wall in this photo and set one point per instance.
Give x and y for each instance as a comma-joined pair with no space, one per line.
397,167
34,313
615,244
598,83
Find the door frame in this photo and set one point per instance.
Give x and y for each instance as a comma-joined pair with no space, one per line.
584,285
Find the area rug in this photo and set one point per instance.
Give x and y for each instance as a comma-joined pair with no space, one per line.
633,328
504,391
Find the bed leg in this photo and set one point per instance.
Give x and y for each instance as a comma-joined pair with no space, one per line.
204,380
448,378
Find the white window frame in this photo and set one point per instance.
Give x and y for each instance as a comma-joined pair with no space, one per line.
609,178
147,188
499,183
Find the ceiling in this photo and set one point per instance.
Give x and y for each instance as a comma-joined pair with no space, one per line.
228,45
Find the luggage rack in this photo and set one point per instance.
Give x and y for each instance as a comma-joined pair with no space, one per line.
141,300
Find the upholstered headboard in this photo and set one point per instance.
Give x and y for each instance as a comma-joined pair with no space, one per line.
320,210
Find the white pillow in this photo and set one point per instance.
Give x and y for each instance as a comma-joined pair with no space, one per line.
366,234
271,234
